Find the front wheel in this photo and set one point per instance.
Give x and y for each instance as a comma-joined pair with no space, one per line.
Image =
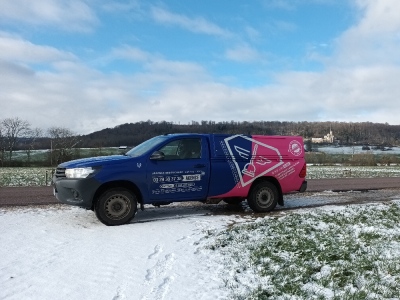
263,197
116,206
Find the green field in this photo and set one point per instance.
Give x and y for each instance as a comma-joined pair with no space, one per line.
349,252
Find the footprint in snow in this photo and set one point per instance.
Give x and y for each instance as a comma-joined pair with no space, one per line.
159,278
157,250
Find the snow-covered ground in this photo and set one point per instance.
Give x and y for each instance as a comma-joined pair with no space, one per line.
60,252
66,253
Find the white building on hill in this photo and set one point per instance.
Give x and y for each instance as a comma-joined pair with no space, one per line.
326,139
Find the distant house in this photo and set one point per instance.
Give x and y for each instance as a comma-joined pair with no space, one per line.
329,138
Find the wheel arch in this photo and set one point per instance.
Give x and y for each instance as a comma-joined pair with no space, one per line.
117,184
274,181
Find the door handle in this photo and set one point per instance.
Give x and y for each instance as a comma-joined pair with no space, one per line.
200,166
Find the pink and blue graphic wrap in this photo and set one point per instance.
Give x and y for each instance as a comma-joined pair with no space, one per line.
251,157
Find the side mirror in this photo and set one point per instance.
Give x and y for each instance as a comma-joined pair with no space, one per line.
157,155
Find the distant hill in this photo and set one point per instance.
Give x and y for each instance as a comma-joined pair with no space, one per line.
131,134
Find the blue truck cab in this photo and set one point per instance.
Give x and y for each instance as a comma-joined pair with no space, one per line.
185,167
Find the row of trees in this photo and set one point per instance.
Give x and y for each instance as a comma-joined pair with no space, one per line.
345,133
16,133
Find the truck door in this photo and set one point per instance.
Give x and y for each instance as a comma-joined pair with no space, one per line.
183,171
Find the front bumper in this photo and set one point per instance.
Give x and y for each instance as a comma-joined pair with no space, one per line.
78,192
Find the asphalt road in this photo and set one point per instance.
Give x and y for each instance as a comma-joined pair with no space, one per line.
13,196
353,184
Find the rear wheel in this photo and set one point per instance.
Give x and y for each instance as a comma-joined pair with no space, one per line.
263,197
116,206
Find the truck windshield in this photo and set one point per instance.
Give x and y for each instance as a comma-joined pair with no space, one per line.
146,146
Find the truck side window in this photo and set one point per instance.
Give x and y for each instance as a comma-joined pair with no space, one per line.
182,149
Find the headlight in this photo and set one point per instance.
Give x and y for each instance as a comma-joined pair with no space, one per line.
78,172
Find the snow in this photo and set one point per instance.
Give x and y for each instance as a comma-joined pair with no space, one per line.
62,252
66,253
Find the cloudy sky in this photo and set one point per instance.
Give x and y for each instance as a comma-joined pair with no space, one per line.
92,64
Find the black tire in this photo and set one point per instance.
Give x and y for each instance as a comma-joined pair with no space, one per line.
233,200
116,206
263,197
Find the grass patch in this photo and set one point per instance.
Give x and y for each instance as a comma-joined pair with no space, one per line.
320,172
356,159
349,253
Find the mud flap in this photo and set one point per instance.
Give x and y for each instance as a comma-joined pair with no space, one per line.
303,187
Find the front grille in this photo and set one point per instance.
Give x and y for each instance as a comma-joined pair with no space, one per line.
60,173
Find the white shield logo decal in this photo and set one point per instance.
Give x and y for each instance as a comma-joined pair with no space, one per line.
252,158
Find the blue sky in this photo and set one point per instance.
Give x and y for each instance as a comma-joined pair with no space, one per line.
88,65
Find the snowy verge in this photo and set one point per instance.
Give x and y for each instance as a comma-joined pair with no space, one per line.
61,252
66,253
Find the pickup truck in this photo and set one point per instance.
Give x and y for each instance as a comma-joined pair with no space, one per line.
185,167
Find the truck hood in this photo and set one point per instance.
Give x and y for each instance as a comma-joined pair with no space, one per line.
95,161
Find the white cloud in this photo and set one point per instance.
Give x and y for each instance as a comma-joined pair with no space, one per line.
86,100
243,53
375,39
284,26
156,64
197,25
252,33
71,15
281,4
356,94
121,6
359,83
379,17
83,99
184,69
293,4
14,48
131,54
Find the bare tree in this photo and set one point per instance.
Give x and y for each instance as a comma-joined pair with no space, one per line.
13,128
63,140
